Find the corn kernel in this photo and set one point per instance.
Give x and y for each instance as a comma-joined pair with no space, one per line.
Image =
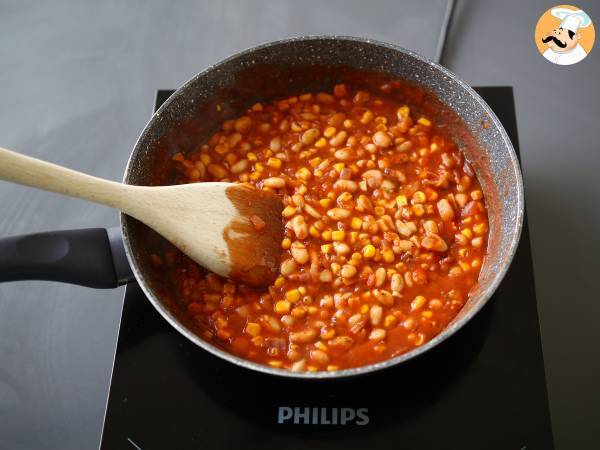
356,223
321,142
275,363
253,329
293,295
259,167
467,233
338,235
427,314
314,232
364,309
476,263
312,368
480,228
401,201
389,321
418,210
274,162
325,202
476,195
335,268
302,290
339,166
282,307
326,248
298,312
388,255
302,189
313,310
315,161
465,266
288,211
279,281
425,122
462,252
328,333
303,173
255,176
250,156
379,210
353,236
326,235
368,251
404,111
286,243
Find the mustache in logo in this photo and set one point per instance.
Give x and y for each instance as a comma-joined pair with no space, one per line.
555,40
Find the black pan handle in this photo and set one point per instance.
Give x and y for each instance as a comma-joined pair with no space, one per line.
93,257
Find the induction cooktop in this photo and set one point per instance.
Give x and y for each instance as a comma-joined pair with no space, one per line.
482,389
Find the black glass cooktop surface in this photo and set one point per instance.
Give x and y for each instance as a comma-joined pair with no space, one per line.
483,389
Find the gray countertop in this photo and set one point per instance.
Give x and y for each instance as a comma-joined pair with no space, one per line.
77,82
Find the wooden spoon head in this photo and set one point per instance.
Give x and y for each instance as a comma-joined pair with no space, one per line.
234,230
254,238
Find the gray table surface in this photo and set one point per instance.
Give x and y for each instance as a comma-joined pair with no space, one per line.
77,80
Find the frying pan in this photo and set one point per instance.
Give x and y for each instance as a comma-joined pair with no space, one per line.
266,73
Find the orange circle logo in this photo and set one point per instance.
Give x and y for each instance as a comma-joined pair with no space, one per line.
564,35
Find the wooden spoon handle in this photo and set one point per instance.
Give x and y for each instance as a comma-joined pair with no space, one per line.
51,177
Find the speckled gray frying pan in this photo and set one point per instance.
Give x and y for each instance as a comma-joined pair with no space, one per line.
292,66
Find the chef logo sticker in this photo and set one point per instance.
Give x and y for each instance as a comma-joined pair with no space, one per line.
564,35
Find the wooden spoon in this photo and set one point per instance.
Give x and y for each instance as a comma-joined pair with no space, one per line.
234,230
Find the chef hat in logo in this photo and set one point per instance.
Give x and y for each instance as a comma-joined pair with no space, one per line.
570,19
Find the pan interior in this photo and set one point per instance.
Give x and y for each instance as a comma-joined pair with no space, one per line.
285,68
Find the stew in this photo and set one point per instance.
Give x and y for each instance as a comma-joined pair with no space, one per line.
385,231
